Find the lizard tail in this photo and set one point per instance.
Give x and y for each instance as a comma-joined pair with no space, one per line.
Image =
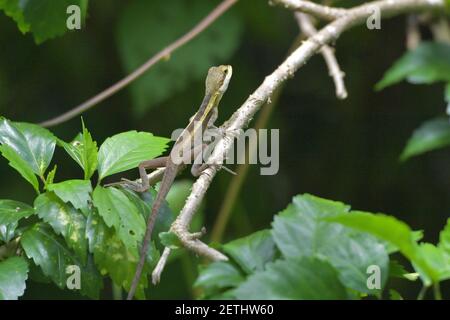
163,191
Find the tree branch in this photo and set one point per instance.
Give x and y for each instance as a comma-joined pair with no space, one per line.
167,51
263,93
314,9
335,71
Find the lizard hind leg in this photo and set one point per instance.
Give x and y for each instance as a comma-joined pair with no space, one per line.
149,164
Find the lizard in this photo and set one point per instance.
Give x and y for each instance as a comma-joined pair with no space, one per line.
216,84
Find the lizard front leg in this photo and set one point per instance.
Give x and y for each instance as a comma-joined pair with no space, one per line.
149,164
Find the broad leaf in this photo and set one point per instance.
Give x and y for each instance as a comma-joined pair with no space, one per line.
35,145
219,275
300,278
77,192
126,150
65,220
146,26
12,211
444,239
47,19
437,259
83,149
170,240
12,9
433,134
20,165
301,230
252,252
390,229
13,274
119,212
114,259
50,253
428,63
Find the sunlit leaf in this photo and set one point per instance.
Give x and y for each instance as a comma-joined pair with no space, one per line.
65,220
119,212
77,192
126,150
219,275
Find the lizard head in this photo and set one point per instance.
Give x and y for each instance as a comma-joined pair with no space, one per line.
218,79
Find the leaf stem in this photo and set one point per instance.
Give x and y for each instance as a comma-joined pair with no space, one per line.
437,291
422,292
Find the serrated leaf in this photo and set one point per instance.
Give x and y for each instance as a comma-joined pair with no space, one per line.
50,254
444,238
390,229
20,165
428,63
65,220
77,192
35,145
83,149
12,211
145,27
252,252
300,230
219,275
13,274
48,18
437,260
431,135
119,212
13,10
114,259
126,150
304,278
144,202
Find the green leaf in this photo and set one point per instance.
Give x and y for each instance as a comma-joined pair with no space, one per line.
35,145
126,150
51,176
77,192
13,274
65,220
390,229
83,149
253,252
170,240
8,231
144,202
394,295
20,165
428,63
437,260
146,26
48,18
296,278
444,238
12,211
119,212
431,135
50,253
13,10
219,275
300,230
113,258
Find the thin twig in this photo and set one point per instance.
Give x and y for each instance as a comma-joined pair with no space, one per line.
166,52
327,52
263,93
315,9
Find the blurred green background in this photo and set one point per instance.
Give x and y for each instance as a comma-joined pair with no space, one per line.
342,150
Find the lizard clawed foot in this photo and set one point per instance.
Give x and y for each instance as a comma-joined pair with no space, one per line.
133,185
